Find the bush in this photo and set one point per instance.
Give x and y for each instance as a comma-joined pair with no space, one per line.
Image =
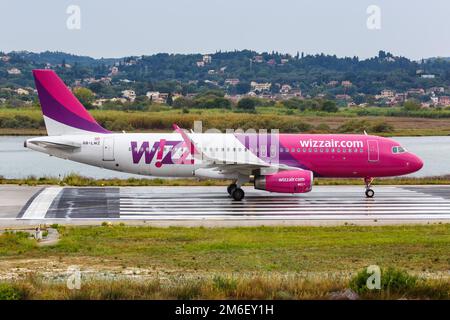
9,292
380,127
393,281
354,126
329,106
411,105
247,103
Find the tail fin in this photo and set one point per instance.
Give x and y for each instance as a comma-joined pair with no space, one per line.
63,113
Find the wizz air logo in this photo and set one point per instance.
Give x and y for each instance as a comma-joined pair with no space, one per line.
331,143
165,152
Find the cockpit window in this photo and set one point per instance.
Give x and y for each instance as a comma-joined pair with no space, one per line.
398,149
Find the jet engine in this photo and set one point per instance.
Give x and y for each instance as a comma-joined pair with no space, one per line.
289,181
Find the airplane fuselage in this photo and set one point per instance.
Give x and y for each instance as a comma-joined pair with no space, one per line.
166,155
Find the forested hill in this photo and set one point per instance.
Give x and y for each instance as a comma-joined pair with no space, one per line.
310,73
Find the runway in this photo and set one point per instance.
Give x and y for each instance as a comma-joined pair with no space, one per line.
212,205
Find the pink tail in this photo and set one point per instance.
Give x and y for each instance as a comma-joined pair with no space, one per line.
63,113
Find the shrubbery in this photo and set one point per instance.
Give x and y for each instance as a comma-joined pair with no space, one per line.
392,281
359,126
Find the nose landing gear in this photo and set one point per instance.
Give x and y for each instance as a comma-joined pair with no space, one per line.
369,192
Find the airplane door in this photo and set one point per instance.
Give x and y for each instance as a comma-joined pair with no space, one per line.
108,149
374,152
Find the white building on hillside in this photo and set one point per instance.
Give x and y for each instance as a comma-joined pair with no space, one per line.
129,94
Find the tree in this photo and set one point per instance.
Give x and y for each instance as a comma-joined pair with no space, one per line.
169,99
85,96
247,103
242,87
411,105
329,106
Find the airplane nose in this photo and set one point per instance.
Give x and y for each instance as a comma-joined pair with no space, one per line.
414,163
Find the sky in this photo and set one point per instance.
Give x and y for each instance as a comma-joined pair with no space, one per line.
113,28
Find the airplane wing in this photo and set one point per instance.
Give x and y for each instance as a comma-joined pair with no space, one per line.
224,165
56,145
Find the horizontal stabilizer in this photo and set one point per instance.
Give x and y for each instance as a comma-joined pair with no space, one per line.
56,145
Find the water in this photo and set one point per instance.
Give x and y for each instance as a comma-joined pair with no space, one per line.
19,162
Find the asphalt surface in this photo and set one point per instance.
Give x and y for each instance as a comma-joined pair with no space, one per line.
212,206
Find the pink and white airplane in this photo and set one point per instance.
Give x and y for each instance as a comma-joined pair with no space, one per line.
284,163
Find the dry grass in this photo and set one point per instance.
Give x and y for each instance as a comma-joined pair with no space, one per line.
217,287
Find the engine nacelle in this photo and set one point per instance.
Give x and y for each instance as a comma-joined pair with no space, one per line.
289,181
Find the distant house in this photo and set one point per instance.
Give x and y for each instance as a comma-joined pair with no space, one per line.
99,102
200,64
114,71
22,92
212,71
271,62
5,58
121,100
129,94
265,86
434,99
332,83
285,88
258,59
155,97
231,82
206,59
428,76
14,71
214,83
416,91
400,98
436,90
344,97
387,93
296,92
444,101
346,83
284,61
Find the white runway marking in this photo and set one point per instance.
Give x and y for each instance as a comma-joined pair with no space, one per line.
408,203
40,205
324,203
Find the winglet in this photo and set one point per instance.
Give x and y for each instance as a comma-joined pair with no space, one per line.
189,143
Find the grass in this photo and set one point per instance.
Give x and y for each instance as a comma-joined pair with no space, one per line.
80,181
29,121
218,287
245,262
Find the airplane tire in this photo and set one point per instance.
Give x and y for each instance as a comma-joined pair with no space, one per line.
238,194
231,187
370,193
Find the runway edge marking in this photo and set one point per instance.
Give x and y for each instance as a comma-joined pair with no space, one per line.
39,206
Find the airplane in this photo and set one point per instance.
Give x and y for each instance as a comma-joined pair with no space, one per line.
282,163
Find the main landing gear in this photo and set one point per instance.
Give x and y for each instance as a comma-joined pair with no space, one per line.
369,192
235,192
